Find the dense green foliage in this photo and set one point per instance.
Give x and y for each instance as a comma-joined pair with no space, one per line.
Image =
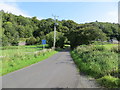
31,41
109,81
59,39
99,62
16,27
85,36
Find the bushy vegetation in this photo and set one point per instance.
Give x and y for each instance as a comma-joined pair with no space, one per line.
86,35
116,49
31,41
59,39
16,27
100,43
109,81
22,57
99,62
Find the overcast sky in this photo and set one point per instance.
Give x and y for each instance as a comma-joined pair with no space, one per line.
80,12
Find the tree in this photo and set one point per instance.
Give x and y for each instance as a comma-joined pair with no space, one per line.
21,31
59,39
69,23
38,40
23,21
11,33
28,31
118,34
85,36
5,41
31,41
15,27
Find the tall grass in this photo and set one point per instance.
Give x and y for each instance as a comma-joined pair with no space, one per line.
97,61
17,57
21,60
11,50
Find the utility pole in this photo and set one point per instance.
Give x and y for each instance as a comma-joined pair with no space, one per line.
55,23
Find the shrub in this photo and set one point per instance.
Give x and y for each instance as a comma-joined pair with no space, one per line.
116,49
89,48
5,41
99,48
31,41
100,43
97,61
38,40
14,43
109,81
59,39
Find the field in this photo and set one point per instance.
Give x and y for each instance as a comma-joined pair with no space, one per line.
100,62
17,57
109,46
11,50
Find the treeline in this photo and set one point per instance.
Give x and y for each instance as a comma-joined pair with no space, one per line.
33,30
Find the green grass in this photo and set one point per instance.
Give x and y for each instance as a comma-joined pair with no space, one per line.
109,46
98,61
67,45
11,50
17,57
24,61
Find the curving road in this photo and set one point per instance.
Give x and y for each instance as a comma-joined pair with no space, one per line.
58,71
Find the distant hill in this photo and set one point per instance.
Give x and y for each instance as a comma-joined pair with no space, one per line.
15,27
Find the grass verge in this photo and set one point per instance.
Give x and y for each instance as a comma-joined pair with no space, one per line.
10,64
99,62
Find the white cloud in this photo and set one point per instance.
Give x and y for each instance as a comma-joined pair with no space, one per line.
112,16
112,13
12,8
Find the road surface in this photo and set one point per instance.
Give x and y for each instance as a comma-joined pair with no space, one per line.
58,71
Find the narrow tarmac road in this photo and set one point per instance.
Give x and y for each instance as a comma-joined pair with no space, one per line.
58,71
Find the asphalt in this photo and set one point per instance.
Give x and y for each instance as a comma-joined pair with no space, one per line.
58,71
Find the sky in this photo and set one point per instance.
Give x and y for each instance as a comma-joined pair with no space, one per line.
80,12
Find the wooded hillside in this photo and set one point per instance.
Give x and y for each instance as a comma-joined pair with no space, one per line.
16,28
